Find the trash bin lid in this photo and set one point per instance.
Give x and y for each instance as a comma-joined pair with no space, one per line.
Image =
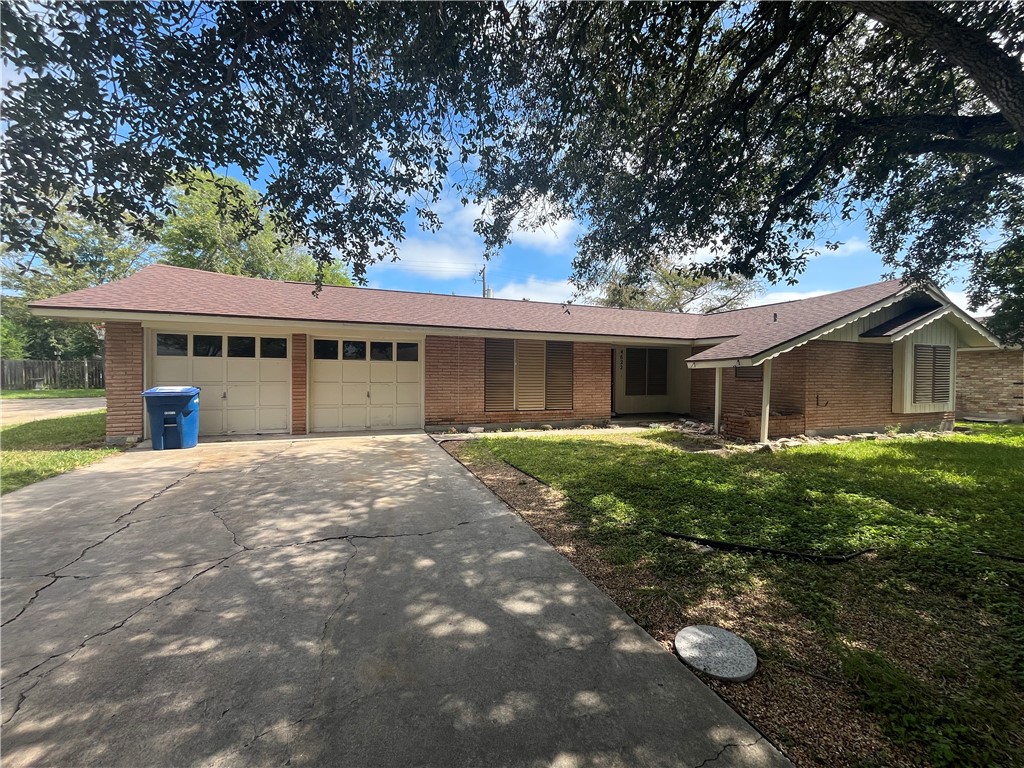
157,391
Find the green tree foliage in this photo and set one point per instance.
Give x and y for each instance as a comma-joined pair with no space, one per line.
671,288
89,255
661,127
12,344
217,225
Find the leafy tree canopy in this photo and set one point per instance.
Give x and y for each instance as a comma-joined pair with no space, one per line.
662,127
671,288
217,225
89,255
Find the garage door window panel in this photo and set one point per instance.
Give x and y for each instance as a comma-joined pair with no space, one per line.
172,344
241,346
408,353
207,346
272,348
325,349
381,351
353,350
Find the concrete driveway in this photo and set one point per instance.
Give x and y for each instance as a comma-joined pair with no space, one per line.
353,601
20,411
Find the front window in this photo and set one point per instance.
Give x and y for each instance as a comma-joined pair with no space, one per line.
932,373
646,371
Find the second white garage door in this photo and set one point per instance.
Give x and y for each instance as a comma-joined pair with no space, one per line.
364,384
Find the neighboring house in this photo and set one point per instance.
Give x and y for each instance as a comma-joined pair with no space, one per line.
272,357
990,384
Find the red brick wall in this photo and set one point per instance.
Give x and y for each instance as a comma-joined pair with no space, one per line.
454,371
749,427
990,383
849,387
742,397
299,384
837,386
123,343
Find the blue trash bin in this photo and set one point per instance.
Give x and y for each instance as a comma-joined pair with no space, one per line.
173,416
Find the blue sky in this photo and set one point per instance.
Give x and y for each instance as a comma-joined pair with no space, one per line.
537,264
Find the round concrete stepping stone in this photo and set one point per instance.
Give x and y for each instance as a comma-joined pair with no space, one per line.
716,652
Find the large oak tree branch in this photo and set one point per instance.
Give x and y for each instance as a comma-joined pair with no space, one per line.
998,75
957,126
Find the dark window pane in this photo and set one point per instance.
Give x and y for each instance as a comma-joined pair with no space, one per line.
657,371
241,346
207,346
172,344
353,350
636,372
274,348
380,350
408,352
325,349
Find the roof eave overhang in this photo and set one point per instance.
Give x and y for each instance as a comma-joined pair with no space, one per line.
799,341
156,319
963,316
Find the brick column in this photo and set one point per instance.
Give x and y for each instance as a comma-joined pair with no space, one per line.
299,383
123,343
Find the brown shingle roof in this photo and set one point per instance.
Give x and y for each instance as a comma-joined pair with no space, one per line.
172,290
761,329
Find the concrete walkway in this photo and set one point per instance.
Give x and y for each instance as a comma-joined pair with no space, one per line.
20,411
352,601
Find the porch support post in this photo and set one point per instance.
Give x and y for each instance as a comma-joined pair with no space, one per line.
718,400
766,389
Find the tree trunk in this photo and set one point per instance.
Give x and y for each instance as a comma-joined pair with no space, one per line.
996,73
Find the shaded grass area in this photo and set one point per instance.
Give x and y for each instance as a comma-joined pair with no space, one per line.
48,394
37,450
928,635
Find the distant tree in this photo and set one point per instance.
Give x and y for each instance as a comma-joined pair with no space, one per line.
218,225
673,289
12,346
87,254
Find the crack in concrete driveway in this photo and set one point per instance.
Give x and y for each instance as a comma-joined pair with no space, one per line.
356,600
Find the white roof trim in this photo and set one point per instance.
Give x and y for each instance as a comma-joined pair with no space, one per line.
799,341
960,314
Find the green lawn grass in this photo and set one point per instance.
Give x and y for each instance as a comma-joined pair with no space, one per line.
37,450
927,506
46,394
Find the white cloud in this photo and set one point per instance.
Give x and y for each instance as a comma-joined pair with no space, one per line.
536,289
775,297
439,258
552,237
456,251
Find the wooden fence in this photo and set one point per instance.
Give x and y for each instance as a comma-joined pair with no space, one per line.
61,374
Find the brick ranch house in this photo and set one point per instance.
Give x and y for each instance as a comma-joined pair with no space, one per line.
271,357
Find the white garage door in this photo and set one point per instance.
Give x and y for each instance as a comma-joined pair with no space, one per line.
364,384
245,380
